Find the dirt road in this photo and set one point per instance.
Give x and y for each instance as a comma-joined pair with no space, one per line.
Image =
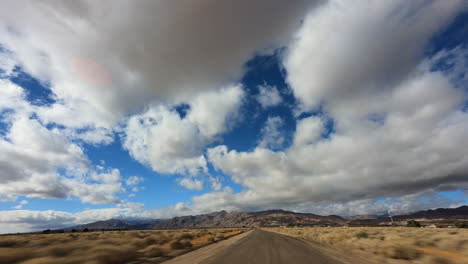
262,247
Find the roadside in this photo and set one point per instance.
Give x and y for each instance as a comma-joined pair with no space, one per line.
392,245
199,255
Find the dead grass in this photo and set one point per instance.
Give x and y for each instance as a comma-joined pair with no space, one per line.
392,244
110,247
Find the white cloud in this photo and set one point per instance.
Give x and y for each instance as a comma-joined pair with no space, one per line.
102,66
93,136
214,112
7,64
308,130
397,124
31,156
216,184
134,180
268,96
418,147
21,204
162,140
342,54
12,97
272,134
28,220
191,184
172,144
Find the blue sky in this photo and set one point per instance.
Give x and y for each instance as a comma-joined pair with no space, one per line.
290,109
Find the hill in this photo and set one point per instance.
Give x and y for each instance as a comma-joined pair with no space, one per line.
440,216
273,218
221,219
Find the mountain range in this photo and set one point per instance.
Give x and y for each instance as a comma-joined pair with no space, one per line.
276,218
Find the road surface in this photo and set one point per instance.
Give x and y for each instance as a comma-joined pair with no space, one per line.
262,247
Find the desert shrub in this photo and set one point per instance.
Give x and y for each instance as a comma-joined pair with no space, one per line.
186,236
154,252
362,234
112,254
440,260
137,234
14,255
413,223
44,260
47,231
59,251
150,240
461,224
406,253
9,242
180,244
73,236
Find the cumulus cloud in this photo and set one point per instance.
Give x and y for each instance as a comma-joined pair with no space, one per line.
398,122
268,96
191,184
418,146
272,134
308,130
21,204
31,156
169,143
29,220
342,54
107,65
133,180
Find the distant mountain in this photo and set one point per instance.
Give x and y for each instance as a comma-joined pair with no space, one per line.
113,224
362,217
221,219
440,213
442,216
273,218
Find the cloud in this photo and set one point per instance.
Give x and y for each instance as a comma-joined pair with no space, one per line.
29,220
268,96
21,204
102,66
308,130
191,184
169,143
134,180
12,98
41,162
417,147
272,134
394,121
99,70
397,121
341,55
7,64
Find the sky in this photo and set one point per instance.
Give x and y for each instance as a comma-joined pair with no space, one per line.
155,109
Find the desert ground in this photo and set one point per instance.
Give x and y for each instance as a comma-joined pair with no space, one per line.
108,247
390,245
331,245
